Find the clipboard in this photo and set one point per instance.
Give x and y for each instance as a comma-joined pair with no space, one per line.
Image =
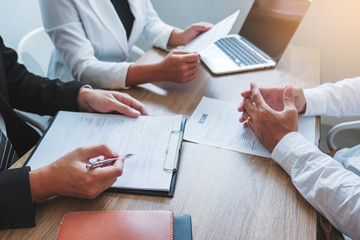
173,154
170,160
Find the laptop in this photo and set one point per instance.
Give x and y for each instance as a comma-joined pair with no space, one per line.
262,40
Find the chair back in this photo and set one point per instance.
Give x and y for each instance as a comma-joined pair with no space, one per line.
35,50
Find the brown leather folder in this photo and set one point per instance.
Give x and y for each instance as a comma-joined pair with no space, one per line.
117,225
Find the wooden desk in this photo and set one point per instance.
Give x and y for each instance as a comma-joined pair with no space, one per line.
229,195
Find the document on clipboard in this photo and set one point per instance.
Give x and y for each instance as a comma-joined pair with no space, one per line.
155,142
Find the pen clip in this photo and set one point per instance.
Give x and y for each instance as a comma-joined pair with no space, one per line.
173,150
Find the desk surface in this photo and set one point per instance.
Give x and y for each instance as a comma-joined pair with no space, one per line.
229,195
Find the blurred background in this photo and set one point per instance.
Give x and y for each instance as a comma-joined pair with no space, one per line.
332,25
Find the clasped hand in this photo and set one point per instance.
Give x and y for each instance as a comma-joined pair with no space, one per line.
273,112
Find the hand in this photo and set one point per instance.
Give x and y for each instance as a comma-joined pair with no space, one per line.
68,176
269,125
274,98
179,66
182,37
95,100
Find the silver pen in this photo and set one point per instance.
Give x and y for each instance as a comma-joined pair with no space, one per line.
100,163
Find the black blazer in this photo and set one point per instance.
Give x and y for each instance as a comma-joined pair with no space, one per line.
25,91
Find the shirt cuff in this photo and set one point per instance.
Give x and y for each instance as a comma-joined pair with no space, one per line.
164,37
315,102
289,149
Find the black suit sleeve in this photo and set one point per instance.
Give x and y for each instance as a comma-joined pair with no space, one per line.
16,207
32,93
25,91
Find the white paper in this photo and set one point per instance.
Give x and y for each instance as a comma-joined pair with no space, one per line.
215,33
216,123
147,137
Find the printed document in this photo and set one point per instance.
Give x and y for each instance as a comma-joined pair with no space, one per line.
147,137
216,123
215,33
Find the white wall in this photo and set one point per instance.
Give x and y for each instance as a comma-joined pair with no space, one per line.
18,17
332,25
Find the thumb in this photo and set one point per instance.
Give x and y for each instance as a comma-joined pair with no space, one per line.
289,98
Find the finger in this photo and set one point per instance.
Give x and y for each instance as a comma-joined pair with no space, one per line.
289,98
200,28
189,57
249,107
189,78
111,171
192,77
126,110
179,52
246,93
121,104
250,124
94,151
241,107
203,24
244,116
132,102
192,65
192,71
256,96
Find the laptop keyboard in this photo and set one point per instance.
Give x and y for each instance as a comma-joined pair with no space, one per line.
238,52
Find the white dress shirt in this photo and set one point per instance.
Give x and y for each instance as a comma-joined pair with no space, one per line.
324,182
91,42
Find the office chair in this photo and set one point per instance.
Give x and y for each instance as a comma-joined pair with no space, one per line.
338,128
136,53
34,51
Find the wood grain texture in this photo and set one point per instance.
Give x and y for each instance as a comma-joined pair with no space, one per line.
229,195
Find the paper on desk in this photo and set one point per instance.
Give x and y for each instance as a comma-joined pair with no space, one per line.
215,33
146,136
216,123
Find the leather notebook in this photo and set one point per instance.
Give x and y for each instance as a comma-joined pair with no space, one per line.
132,225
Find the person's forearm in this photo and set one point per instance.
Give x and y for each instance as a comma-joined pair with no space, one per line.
144,73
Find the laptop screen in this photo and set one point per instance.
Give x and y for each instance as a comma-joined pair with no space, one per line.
271,24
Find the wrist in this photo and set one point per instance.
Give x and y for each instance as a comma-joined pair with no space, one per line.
40,184
176,38
82,98
143,73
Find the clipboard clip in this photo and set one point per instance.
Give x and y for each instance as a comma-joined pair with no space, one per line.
173,150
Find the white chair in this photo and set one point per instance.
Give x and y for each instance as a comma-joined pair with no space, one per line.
34,51
338,128
136,53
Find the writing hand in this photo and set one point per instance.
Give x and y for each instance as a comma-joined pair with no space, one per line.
68,176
